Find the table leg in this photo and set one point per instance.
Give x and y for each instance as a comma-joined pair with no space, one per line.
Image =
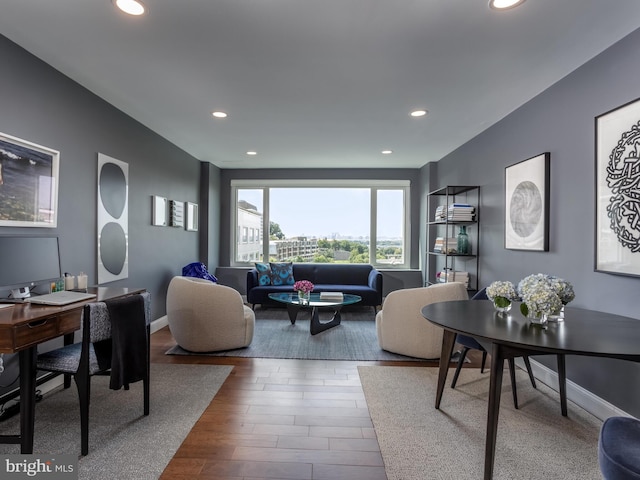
448,341
27,361
316,327
292,310
495,387
562,384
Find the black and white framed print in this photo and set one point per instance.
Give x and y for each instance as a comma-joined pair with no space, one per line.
617,134
28,184
113,219
526,225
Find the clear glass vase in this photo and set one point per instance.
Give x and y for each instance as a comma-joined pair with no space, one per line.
541,320
304,297
557,316
503,308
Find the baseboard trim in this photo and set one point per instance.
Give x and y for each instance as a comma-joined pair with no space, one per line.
582,397
158,324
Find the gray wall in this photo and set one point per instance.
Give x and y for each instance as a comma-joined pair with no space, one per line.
559,121
41,105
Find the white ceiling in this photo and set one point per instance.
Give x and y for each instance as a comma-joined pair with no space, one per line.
317,83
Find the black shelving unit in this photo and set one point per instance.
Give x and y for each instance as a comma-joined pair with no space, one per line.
448,261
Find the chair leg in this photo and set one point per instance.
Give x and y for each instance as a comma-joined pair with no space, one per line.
512,373
145,381
484,361
463,355
527,363
84,393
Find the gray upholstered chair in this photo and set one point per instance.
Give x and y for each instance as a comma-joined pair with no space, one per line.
402,329
115,338
206,317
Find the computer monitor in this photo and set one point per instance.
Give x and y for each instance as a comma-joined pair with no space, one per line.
26,262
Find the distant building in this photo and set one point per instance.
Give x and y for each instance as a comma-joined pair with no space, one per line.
249,235
292,248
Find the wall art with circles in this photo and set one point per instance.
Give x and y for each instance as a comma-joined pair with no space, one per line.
527,204
113,219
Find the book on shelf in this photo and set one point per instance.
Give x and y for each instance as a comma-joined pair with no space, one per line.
331,296
448,245
446,276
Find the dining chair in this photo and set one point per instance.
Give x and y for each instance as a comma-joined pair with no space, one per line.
115,340
470,343
618,445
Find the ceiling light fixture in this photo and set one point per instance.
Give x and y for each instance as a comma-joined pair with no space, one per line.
132,7
418,113
504,4
387,152
219,114
251,152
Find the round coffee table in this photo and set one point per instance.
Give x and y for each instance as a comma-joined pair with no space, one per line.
294,305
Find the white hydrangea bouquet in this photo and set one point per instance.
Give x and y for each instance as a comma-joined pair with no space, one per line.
502,294
543,295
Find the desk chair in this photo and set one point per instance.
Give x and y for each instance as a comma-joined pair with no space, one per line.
469,343
115,338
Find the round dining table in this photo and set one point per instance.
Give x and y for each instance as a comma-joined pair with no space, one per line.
583,332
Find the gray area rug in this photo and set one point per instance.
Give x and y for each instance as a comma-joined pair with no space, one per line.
418,442
274,337
123,443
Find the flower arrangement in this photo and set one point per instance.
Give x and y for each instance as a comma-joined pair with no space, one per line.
502,293
304,286
543,294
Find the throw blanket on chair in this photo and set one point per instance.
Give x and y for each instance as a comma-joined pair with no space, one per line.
129,341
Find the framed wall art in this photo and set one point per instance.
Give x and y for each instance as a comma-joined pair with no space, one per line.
28,184
191,214
113,219
617,153
526,225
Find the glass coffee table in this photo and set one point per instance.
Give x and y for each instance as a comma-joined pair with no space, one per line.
294,304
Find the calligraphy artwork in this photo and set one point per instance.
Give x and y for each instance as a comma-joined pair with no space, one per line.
618,190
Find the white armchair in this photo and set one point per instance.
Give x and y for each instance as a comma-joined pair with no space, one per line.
207,317
402,329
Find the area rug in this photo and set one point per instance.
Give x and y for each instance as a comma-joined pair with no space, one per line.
418,442
123,443
274,337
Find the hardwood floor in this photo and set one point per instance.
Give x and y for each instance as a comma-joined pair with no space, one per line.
280,419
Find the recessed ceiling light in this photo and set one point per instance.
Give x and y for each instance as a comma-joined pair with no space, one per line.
504,4
387,152
219,114
419,113
132,7
251,152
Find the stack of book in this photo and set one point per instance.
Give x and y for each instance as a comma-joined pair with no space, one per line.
445,245
446,276
456,212
335,296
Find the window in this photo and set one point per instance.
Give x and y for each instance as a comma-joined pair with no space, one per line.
321,222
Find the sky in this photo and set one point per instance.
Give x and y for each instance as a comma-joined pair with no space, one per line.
322,212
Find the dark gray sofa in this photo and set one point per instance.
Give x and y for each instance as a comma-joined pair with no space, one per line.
356,279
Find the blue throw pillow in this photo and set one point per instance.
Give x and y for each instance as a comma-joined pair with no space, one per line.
264,274
282,273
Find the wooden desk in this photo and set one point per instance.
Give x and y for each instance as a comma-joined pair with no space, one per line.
584,332
22,328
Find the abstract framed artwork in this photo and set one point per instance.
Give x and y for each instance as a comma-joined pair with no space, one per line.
191,217
113,219
526,225
617,152
28,184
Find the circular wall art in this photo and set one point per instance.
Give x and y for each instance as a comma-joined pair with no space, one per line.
113,219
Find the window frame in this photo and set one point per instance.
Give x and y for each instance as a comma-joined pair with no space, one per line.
374,187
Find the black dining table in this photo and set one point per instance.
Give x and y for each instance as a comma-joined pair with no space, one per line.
583,332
